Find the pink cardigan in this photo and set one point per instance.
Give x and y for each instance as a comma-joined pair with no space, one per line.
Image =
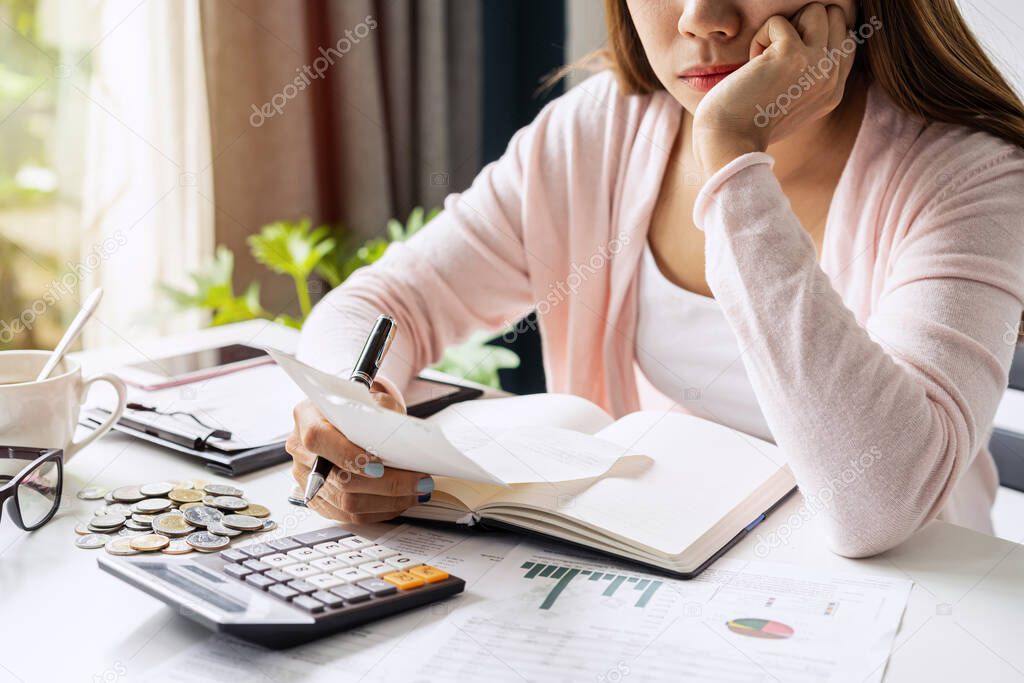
878,371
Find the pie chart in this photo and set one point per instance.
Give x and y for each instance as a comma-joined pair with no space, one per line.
760,628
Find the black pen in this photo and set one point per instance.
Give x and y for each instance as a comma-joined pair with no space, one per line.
364,372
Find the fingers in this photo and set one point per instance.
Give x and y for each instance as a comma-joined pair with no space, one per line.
393,483
326,508
776,31
812,24
838,33
314,436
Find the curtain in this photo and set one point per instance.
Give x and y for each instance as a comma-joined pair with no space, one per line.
148,190
346,111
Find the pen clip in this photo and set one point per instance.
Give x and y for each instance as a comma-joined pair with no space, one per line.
384,347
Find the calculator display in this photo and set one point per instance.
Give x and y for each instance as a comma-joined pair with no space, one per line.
203,593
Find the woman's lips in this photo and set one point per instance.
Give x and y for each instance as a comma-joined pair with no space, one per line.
707,78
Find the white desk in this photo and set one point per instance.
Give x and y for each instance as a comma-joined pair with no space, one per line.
65,620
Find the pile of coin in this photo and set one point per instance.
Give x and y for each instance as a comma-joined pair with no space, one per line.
174,517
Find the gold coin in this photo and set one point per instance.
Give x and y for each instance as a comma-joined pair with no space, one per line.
186,506
185,495
121,545
178,546
83,529
199,484
255,510
149,542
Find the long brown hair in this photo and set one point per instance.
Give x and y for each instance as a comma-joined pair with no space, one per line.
925,58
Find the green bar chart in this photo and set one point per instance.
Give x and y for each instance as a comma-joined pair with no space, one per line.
611,582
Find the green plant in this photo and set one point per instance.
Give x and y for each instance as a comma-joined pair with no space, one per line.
297,250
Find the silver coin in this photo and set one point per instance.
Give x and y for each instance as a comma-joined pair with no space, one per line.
177,546
222,490
115,509
102,530
242,522
133,532
137,526
208,500
127,494
156,489
201,515
269,525
119,545
172,524
92,493
204,540
107,521
229,503
92,541
297,497
141,518
151,506
221,530
109,498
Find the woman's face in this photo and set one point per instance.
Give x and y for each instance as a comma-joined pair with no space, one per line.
685,38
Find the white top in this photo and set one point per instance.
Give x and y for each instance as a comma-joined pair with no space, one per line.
686,349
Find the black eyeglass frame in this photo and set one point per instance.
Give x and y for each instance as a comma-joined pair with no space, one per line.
8,490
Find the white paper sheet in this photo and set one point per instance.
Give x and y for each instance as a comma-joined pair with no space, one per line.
519,620
478,453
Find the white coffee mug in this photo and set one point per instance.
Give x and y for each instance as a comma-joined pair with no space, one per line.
45,414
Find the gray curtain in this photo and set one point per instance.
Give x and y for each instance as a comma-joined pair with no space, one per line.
347,111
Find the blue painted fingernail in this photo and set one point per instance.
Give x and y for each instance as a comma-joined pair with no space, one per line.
424,498
425,485
374,469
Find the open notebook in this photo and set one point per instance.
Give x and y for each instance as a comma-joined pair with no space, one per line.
667,490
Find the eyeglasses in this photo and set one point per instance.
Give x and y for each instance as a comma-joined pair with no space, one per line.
31,480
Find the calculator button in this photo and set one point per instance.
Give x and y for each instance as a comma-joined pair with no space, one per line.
256,565
356,542
328,564
377,587
351,593
277,575
378,552
351,574
329,599
304,554
376,568
236,570
322,535
300,571
403,580
307,603
234,555
325,581
258,550
354,559
260,581
401,562
282,591
428,573
283,544
330,548
302,586
278,560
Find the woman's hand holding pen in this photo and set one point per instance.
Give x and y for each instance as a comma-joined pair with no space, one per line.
758,104
359,489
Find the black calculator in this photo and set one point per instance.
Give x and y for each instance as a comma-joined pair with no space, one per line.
285,591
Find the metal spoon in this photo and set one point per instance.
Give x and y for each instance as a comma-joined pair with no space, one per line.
72,334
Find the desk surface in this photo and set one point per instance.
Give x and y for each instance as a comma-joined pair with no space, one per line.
64,619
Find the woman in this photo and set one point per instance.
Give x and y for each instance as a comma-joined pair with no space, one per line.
810,235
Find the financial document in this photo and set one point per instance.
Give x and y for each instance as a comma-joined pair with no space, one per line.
536,613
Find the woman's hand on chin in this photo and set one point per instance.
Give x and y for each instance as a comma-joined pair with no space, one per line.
758,104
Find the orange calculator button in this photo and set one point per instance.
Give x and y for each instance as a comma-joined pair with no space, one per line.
404,580
428,573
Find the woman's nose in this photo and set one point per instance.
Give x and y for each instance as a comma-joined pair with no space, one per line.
709,19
